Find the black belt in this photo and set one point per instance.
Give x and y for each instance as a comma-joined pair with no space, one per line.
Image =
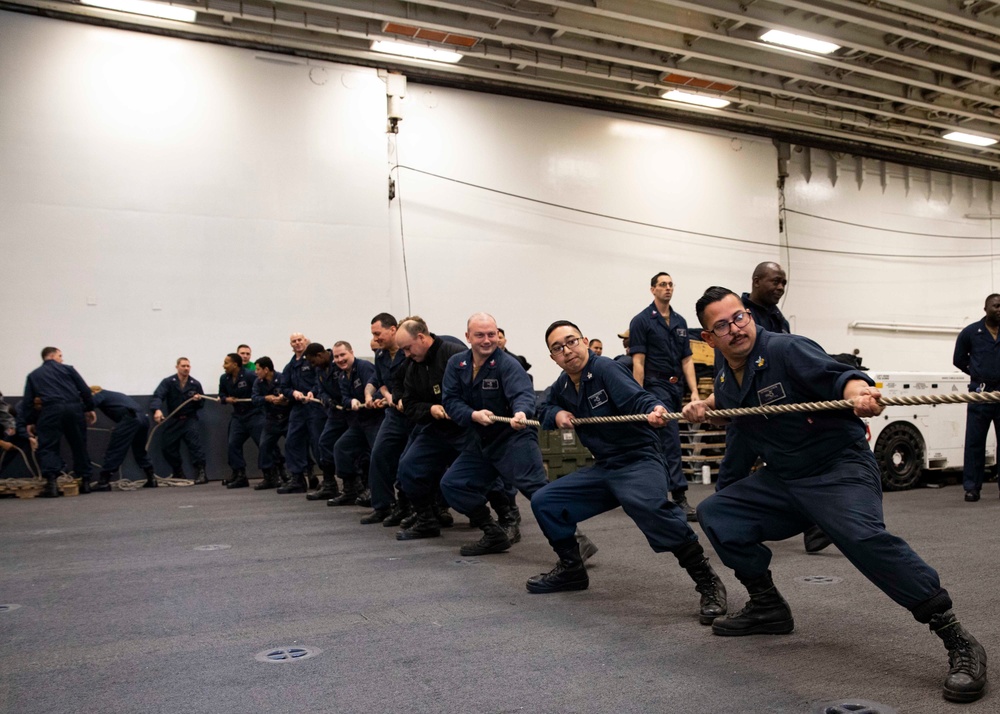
656,374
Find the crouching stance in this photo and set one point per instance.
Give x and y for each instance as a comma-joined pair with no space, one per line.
628,471
819,470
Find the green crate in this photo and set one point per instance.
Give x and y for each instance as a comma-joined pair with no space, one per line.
557,465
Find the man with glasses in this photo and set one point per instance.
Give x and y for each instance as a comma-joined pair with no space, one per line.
661,364
819,470
628,470
761,303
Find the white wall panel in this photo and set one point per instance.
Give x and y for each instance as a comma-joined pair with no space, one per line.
244,198
470,248
915,256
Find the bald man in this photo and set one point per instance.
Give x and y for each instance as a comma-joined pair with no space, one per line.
480,383
306,419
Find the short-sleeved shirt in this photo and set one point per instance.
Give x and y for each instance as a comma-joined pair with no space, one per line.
665,345
978,355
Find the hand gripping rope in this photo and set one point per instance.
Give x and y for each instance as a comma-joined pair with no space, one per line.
959,398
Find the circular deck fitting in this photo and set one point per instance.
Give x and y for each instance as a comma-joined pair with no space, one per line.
819,579
853,706
281,655
214,546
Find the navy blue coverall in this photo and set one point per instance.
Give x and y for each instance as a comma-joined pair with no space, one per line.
327,389
131,429
275,419
306,419
355,445
819,470
495,452
665,346
435,442
393,434
247,420
183,426
628,468
978,355
738,461
65,397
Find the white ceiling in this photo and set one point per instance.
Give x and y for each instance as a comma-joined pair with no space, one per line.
907,71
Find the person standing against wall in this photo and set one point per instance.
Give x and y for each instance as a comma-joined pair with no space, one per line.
171,393
977,353
67,407
245,354
662,364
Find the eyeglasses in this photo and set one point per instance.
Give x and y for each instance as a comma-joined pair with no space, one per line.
722,327
570,343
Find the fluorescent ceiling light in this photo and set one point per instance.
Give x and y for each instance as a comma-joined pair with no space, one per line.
405,49
799,42
676,95
969,138
142,7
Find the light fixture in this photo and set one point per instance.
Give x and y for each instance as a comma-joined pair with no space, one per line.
405,49
799,42
964,138
675,95
143,7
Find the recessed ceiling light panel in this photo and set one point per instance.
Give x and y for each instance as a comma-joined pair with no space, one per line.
702,100
964,138
405,49
799,42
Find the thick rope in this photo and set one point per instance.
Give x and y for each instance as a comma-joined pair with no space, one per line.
957,398
179,407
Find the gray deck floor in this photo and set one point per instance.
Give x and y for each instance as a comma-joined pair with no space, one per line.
120,613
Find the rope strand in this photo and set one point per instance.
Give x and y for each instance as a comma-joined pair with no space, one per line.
957,398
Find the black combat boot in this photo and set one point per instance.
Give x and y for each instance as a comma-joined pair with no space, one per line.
587,548
400,512
103,481
680,498
352,489
569,573
410,519
296,484
494,538
51,489
85,485
329,489
815,540
150,478
425,526
966,681
312,480
508,516
378,515
766,613
200,476
713,593
444,517
270,480
239,479
364,499
282,474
